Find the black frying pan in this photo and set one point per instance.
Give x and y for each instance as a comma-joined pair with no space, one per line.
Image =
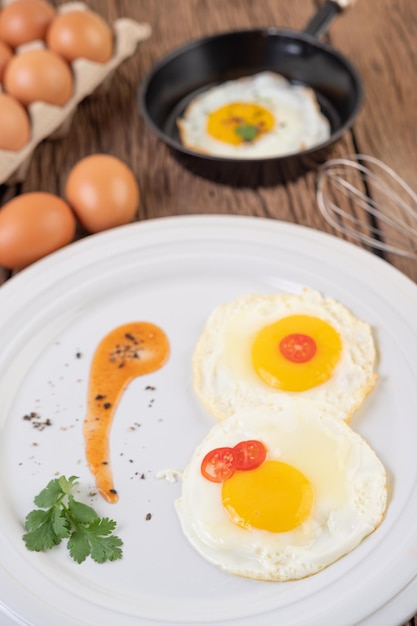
301,57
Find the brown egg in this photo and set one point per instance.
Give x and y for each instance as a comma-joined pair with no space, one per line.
39,75
32,226
103,192
14,124
5,56
76,34
22,21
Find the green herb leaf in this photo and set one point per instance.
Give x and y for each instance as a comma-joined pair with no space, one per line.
102,527
50,495
60,523
67,484
41,537
248,132
106,549
65,517
82,513
35,519
79,546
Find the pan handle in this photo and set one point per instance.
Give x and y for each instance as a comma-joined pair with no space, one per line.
320,22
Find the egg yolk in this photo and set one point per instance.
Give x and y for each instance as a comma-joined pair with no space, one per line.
240,122
276,497
296,353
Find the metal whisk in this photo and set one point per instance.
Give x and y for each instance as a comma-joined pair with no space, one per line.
395,206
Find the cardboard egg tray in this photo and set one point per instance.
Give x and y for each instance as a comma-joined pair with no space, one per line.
49,121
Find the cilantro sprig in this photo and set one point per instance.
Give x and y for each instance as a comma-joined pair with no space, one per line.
60,516
248,132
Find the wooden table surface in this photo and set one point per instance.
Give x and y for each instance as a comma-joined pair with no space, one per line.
377,36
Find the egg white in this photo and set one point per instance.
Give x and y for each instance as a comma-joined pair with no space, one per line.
299,122
348,479
225,379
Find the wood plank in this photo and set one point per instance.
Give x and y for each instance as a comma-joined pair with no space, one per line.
387,126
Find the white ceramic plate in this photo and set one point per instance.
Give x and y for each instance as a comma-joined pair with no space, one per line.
173,272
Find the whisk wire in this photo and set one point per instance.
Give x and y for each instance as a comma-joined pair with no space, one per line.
368,204
381,185
334,173
374,242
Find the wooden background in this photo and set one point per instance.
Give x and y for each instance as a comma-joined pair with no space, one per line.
378,36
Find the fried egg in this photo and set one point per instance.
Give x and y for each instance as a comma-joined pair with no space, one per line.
263,115
319,492
269,349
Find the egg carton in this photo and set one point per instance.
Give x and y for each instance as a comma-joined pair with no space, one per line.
50,121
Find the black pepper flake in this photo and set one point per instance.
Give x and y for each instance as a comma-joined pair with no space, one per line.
107,405
78,355
37,421
30,416
122,353
104,462
100,396
148,517
112,491
149,388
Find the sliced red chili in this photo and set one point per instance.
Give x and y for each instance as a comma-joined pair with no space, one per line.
298,348
219,464
249,454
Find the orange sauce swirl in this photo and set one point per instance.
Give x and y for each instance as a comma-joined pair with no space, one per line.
127,352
